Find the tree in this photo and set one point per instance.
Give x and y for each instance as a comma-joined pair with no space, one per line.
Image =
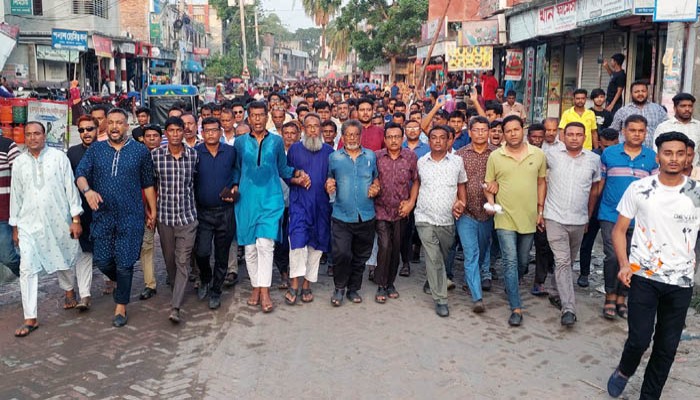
321,11
379,31
227,66
338,41
309,38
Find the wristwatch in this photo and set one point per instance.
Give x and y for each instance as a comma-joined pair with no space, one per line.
76,220
87,189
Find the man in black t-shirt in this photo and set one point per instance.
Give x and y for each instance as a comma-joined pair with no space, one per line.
618,81
603,117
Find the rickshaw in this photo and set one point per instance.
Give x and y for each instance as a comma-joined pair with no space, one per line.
159,98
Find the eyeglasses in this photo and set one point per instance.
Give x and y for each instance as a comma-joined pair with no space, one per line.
89,129
238,112
211,130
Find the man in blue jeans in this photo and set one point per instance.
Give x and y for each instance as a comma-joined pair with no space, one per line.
8,254
475,226
661,264
515,174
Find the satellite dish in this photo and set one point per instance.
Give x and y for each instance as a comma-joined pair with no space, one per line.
177,24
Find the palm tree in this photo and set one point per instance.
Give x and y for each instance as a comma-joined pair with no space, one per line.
321,11
338,41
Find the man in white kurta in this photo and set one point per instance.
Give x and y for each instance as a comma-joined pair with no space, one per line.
45,213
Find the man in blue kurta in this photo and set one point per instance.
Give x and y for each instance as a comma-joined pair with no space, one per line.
112,175
260,162
309,209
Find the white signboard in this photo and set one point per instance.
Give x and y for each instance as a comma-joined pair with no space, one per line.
595,11
675,11
558,17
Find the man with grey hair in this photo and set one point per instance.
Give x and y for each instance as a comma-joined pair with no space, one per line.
309,209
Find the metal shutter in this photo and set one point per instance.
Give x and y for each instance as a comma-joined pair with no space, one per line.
591,71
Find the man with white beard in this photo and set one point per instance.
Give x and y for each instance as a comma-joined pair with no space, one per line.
309,209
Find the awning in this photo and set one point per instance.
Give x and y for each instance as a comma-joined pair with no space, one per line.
192,66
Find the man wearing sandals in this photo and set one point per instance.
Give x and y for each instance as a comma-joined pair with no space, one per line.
398,171
352,173
621,165
661,264
309,209
45,215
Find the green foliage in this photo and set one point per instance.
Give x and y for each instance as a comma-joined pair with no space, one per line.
379,31
227,66
309,38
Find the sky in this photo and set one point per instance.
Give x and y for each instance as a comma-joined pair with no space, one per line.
291,12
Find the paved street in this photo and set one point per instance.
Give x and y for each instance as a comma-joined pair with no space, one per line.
313,351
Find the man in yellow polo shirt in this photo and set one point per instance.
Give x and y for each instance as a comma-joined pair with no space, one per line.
515,173
579,113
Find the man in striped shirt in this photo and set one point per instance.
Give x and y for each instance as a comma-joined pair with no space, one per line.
621,165
8,255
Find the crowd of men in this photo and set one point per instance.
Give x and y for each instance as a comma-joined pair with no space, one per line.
363,179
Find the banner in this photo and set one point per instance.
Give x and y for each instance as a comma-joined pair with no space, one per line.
102,46
69,40
49,53
54,116
559,17
428,29
21,7
471,58
675,11
592,12
479,33
514,65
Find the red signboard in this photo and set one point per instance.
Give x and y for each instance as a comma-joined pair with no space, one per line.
102,46
200,51
11,30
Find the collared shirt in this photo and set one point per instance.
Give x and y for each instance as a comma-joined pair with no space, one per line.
462,140
569,182
196,142
175,184
352,179
619,171
516,109
588,120
654,113
557,145
517,187
420,150
690,129
475,167
8,152
395,179
226,141
438,188
214,174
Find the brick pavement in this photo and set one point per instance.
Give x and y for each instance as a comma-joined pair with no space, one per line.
313,351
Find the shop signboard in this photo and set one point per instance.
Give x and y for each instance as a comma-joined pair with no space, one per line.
438,50
44,52
675,11
54,116
69,40
590,12
21,7
522,26
102,46
471,58
514,65
529,74
646,7
559,17
480,33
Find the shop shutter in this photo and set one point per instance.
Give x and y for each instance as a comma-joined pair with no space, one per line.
591,71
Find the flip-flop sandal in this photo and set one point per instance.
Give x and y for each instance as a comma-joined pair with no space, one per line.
305,293
291,293
25,330
69,302
621,309
609,312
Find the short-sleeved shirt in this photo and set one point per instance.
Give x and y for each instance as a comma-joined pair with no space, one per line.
617,80
569,182
654,113
516,109
619,171
603,118
666,229
475,167
690,129
352,181
438,189
588,120
517,187
395,179
420,150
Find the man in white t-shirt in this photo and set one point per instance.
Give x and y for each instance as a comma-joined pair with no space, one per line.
661,265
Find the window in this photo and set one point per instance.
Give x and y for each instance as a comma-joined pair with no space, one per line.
98,8
38,7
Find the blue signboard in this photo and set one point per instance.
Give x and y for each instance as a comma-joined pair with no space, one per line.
69,39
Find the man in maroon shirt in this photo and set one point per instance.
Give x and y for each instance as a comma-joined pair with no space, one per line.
372,136
398,171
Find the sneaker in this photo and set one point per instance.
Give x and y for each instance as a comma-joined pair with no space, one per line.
568,319
516,319
214,302
582,281
616,383
478,307
442,310
538,290
203,291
